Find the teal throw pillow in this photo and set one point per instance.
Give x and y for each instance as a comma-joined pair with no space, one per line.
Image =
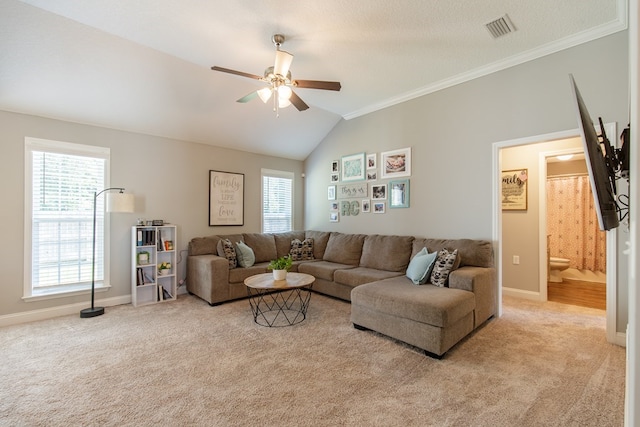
245,255
420,266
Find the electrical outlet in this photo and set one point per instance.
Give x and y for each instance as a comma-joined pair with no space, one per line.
516,259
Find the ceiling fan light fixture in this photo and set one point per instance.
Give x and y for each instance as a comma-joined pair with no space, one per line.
283,102
284,92
265,94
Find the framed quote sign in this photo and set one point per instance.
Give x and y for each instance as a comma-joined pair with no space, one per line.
514,189
226,198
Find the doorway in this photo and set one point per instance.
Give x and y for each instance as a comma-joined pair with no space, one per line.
576,248
538,290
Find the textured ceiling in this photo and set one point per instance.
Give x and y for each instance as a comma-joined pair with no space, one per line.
144,65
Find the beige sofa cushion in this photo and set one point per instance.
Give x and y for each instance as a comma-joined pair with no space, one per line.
263,245
360,275
428,304
204,245
344,248
390,253
320,239
478,253
321,269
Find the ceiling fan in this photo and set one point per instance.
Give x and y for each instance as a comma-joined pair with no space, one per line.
278,78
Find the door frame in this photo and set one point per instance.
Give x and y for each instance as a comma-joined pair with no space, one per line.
611,309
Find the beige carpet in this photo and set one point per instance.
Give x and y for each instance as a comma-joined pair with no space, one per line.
185,363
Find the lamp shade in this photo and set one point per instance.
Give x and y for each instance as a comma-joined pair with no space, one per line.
120,202
265,94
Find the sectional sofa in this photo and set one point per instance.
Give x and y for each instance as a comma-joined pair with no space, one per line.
373,272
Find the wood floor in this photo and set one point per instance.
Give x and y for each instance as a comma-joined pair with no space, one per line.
576,292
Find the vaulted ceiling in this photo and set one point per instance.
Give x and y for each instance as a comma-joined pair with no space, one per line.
145,65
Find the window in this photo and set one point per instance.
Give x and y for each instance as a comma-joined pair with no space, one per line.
277,201
60,182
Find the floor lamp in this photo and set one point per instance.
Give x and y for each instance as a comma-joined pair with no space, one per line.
116,202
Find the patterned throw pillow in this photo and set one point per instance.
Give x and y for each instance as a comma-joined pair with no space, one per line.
443,266
226,249
301,250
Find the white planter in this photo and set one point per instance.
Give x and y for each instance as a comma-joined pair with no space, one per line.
164,272
279,274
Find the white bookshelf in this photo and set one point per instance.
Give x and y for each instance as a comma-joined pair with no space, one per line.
151,246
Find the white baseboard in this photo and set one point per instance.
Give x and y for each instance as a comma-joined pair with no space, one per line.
63,310
519,293
620,339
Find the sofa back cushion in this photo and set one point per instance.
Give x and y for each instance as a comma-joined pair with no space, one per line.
263,245
320,240
390,253
283,241
204,245
478,253
344,248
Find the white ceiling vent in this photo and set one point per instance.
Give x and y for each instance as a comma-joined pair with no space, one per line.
500,27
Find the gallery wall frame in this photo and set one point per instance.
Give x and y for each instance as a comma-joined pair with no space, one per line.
353,167
226,198
378,191
395,163
399,193
331,192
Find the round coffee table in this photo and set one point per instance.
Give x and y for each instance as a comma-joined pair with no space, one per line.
279,302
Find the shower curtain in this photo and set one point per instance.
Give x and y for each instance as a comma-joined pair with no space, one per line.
572,223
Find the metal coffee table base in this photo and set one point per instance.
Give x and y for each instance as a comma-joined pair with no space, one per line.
279,308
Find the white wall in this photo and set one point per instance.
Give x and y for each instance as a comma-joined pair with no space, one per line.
170,181
452,133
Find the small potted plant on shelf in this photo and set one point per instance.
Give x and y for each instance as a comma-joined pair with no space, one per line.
280,266
164,268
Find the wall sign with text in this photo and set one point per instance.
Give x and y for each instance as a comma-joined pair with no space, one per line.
226,198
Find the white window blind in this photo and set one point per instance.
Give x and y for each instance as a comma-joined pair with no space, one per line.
59,223
277,201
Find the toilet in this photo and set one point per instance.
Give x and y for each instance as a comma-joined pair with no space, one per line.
556,266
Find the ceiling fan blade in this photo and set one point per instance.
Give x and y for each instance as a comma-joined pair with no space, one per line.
237,73
248,97
283,62
317,84
298,102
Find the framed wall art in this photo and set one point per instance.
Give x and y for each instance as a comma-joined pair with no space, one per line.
226,198
371,161
514,189
366,205
379,192
331,192
399,193
353,167
378,207
396,163
335,166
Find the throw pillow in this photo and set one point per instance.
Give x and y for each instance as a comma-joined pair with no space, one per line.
226,249
443,266
420,266
301,250
244,254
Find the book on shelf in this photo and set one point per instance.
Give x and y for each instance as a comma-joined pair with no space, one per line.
166,294
139,237
139,277
168,245
160,293
148,278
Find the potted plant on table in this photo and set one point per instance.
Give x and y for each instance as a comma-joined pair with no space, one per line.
164,268
280,266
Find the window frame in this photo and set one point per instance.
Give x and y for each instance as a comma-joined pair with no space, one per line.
59,147
277,174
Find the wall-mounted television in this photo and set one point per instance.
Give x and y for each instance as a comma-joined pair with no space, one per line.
601,163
